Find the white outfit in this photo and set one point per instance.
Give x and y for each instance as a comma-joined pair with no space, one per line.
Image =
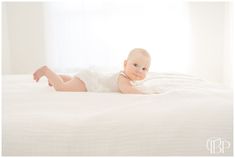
98,81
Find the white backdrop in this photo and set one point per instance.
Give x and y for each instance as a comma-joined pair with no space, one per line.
102,32
189,36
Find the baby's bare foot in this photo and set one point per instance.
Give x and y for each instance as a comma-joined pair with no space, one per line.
39,73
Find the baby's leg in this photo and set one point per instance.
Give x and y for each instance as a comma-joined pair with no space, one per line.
65,78
75,84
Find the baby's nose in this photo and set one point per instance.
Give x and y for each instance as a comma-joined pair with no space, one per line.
139,70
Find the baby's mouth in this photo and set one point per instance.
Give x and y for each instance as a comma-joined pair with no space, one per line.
137,76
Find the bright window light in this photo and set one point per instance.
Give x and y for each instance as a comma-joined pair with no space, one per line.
102,32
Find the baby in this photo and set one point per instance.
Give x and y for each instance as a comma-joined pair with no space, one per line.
136,67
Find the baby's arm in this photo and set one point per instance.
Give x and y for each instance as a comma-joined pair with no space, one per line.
126,87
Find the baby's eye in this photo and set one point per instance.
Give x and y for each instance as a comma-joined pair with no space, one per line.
144,69
135,65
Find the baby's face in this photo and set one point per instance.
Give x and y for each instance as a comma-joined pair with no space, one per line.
137,66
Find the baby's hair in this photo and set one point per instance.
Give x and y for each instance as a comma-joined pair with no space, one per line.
139,50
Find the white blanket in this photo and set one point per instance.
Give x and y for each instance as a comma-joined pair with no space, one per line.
181,120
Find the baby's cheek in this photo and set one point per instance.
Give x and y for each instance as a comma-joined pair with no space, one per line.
143,75
130,70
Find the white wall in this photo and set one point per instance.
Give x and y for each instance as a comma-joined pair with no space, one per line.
229,50
23,37
6,58
211,28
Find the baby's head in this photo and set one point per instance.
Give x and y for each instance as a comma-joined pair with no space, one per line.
137,64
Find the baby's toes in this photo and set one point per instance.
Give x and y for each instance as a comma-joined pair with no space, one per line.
36,78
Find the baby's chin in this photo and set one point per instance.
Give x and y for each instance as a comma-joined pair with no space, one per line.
139,79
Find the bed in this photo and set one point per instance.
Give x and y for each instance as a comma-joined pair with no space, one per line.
187,117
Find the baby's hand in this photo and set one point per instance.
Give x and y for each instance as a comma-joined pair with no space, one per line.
126,87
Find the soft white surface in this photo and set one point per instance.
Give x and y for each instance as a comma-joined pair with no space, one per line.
178,121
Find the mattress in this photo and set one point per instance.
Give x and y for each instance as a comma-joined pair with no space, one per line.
187,117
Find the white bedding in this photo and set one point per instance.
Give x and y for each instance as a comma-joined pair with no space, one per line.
179,121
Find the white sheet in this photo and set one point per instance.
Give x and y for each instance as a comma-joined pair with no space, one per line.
179,121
